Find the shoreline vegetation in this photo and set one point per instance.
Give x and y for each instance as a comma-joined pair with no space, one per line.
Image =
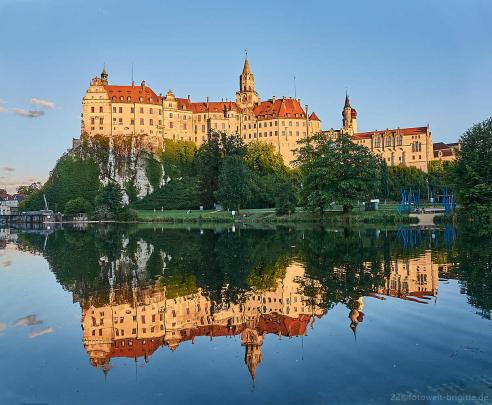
383,217
329,182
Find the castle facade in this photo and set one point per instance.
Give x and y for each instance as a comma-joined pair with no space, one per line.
136,110
120,111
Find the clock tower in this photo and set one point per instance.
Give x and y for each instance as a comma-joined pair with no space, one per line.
246,97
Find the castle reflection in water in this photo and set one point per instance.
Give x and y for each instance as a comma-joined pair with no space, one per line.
142,288
135,321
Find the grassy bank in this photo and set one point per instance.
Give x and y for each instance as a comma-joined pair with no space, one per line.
387,215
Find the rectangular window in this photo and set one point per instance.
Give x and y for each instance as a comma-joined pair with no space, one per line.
151,110
141,121
92,109
132,110
151,121
114,109
92,121
121,109
171,124
141,110
132,122
121,121
100,109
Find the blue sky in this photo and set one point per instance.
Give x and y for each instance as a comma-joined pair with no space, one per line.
405,63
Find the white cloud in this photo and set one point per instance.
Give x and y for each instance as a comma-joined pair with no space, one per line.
41,332
43,103
29,113
8,169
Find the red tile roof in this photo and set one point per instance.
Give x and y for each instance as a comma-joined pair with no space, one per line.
282,108
132,94
213,106
271,323
402,131
134,347
313,117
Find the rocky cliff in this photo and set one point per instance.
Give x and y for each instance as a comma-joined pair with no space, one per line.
126,160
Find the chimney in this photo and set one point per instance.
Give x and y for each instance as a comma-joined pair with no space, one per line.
273,99
189,99
143,84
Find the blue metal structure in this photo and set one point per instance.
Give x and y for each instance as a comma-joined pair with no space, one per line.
409,200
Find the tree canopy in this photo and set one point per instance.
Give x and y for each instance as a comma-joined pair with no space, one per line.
473,171
234,188
336,170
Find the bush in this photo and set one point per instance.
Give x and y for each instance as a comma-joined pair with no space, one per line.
71,178
286,200
78,205
153,171
176,195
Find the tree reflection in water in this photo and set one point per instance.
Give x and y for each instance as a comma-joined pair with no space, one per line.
142,287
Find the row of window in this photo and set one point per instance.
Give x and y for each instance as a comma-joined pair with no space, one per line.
389,141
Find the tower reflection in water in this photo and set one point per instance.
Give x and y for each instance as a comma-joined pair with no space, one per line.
144,288
135,321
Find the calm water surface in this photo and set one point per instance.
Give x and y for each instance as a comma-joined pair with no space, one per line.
143,314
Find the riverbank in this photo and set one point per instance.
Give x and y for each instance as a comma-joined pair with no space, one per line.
383,217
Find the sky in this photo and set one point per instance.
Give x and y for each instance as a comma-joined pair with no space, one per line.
403,63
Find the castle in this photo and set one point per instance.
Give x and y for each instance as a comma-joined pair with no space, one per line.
136,110
135,323
120,111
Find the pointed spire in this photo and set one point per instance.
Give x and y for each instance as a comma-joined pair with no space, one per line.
246,67
347,101
104,74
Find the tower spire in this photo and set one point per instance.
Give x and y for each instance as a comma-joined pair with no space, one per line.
104,75
347,100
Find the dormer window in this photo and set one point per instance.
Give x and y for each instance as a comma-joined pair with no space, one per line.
121,98
140,98
150,99
128,98
113,98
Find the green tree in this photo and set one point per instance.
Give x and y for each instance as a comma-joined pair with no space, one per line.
234,188
286,200
410,178
29,189
78,205
109,202
440,174
178,158
72,177
336,171
262,158
473,172
153,171
385,179
209,159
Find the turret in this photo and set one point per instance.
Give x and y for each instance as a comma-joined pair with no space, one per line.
252,340
349,115
104,75
246,97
